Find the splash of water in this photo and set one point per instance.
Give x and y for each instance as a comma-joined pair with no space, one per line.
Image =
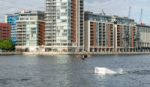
105,71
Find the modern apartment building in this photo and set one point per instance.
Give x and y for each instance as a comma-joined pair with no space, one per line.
64,25
30,31
105,33
99,33
144,35
12,20
127,36
5,31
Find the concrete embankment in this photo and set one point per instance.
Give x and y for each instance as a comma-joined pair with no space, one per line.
85,53
74,53
10,53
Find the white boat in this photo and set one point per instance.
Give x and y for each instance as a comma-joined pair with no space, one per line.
106,71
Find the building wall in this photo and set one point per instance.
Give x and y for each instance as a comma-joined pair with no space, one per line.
86,36
12,19
81,23
41,33
99,36
127,39
74,21
57,26
30,31
5,31
144,34
110,33
64,31
21,34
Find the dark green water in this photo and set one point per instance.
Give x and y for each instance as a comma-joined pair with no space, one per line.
70,71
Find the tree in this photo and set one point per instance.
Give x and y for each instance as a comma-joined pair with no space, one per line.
6,45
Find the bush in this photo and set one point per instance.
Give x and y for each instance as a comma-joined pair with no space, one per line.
6,45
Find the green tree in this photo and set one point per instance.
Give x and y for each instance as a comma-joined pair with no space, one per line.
6,45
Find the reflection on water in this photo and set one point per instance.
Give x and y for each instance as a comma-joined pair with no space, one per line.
72,71
139,72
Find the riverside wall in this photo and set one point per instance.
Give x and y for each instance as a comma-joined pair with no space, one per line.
73,53
85,53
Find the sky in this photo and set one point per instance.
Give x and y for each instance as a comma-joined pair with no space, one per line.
110,7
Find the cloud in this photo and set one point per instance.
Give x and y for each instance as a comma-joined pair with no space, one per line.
111,7
93,1
121,8
11,6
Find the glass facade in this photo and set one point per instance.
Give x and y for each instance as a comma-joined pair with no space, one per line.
12,20
64,25
29,30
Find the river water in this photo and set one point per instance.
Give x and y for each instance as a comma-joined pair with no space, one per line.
72,71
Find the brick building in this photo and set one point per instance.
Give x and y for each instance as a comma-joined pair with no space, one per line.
5,31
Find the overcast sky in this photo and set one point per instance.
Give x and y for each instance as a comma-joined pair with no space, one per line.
111,7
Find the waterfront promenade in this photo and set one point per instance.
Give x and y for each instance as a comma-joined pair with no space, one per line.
73,53
84,53
10,53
